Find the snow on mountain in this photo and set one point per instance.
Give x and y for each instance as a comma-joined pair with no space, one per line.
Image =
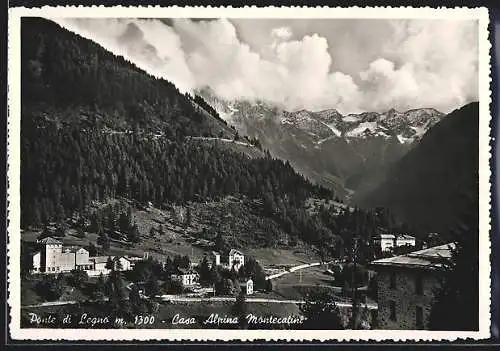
361,128
334,130
351,119
406,127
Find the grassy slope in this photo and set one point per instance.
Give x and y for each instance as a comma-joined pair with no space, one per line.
234,219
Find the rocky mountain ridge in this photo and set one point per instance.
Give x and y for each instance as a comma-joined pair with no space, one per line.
347,153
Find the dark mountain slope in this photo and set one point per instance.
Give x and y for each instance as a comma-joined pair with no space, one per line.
429,186
71,80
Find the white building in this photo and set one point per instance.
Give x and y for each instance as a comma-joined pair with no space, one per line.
387,242
99,263
247,286
187,277
404,240
53,257
215,258
236,259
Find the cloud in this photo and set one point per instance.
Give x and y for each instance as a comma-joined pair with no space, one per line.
283,33
421,63
431,63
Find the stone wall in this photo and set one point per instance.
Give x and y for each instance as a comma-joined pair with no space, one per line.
405,297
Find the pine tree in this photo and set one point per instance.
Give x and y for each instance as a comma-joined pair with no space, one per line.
99,289
133,234
136,302
110,264
104,241
204,272
152,286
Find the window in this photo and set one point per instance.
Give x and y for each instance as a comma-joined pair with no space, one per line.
393,310
419,285
420,318
393,281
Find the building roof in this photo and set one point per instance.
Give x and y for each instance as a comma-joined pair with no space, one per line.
406,236
49,240
72,248
385,236
184,271
430,258
234,251
133,258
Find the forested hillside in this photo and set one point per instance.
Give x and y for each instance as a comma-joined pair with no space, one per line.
75,81
96,128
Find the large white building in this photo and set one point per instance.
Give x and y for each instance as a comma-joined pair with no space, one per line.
53,257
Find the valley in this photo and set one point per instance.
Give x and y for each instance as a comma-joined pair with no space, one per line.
349,154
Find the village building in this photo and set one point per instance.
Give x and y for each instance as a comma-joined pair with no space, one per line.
246,286
53,257
405,287
187,277
236,260
405,240
100,264
215,258
387,242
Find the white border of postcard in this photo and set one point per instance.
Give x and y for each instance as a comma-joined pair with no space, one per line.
14,299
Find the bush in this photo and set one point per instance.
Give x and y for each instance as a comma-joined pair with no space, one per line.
50,287
78,278
173,287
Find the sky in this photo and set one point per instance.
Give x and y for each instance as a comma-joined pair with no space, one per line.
352,65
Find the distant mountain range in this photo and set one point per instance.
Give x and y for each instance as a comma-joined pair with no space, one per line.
348,153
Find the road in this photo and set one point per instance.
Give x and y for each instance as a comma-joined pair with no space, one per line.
223,139
294,269
175,298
